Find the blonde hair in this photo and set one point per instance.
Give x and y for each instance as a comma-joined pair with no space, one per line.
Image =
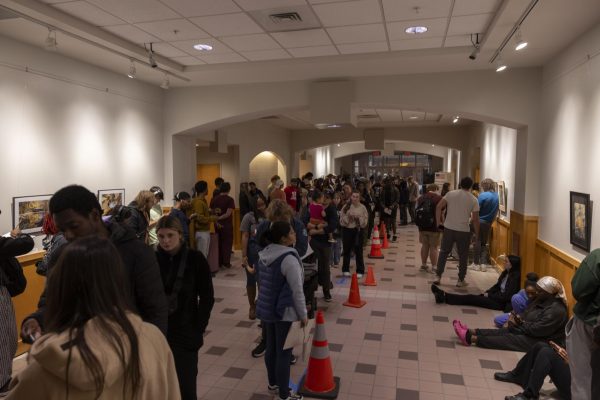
487,185
279,210
144,200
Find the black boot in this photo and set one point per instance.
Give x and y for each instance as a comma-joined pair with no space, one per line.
439,294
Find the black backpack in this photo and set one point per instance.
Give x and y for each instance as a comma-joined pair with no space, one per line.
425,214
12,277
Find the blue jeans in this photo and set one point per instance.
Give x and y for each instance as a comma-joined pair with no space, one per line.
336,250
277,360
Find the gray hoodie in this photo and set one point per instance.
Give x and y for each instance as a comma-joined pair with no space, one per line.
292,270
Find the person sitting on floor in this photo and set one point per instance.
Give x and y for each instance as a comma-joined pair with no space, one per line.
541,360
498,297
543,320
521,300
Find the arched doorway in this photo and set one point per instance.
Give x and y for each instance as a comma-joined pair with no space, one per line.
263,166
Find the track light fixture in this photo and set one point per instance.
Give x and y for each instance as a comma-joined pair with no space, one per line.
455,120
151,59
500,65
476,46
165,84
521,44
50,42
132,70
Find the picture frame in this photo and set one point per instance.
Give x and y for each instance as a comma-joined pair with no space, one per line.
110,198
501,197
580,211
28,212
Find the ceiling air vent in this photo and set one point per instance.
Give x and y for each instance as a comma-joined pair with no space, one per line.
368,116
285,19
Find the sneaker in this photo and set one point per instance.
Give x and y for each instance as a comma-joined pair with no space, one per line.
293,396
439,294
346,273
332,241
474,267
273,388
424,268
359,276
437,280
327,296
461,331
461,283
293,360
259,350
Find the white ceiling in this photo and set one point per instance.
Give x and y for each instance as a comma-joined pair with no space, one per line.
350,37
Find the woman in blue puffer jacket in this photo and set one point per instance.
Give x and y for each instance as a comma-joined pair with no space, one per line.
280,301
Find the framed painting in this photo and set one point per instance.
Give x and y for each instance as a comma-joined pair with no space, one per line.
502,197
110,198
29,211
581,220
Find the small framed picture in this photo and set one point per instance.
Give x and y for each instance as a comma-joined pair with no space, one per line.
110,198
29,211
581,220
502,197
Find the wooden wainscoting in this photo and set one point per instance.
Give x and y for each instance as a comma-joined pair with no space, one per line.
551,261
499,240
523,233
26,302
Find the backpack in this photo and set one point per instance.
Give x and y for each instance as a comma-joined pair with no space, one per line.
425,214
12,277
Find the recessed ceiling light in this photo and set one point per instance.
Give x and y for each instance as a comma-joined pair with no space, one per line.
455,120
334,126
203,47
433,145
339,145
414,30
413,117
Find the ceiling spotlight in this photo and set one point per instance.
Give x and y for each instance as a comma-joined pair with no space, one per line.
339,145
151,59
334,126
500,65
521,44
165,84
132,71
455,120
476,46
203,47
415,30
50,42
413,117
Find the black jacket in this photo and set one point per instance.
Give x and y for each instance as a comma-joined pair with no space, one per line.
195,299
544,320
513,284
145,287
137,221
10,248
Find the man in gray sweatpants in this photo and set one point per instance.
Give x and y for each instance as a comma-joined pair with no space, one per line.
458,206
580,329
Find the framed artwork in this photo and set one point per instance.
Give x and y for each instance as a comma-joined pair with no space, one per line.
581,220
29,211
502,197
110,198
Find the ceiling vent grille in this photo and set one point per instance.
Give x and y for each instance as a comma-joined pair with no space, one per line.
368,116
288,17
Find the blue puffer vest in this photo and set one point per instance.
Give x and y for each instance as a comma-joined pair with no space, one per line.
275,294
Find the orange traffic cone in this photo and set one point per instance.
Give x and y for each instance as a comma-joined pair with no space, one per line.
319,381
354,295
385,244
370,281
375,245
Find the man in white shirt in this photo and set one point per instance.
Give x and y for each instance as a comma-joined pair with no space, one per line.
453,213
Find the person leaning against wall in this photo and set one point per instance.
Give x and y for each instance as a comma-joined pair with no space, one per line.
11,245
581,341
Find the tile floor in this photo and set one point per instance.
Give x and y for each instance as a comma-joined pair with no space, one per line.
400,345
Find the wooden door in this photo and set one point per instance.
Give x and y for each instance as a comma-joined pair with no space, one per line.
208,173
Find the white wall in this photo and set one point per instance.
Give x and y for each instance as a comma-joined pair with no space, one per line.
56,132
570,154
498,157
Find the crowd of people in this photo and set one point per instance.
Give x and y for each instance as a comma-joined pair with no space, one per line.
129,294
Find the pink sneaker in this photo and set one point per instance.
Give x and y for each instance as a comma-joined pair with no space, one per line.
461,331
